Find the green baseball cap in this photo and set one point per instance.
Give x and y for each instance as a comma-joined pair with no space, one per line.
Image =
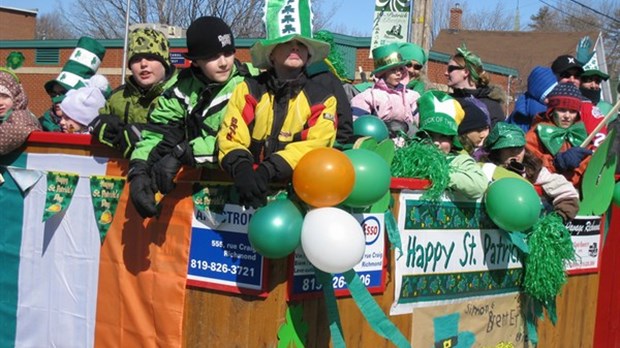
505,135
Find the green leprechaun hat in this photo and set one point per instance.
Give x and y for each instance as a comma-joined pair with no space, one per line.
505,135
82,65
287,20
439,113
387,57
410,51
447,332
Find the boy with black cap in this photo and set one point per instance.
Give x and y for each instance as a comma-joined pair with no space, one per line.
183,126
568,69
126,111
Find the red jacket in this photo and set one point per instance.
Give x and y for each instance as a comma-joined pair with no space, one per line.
534,145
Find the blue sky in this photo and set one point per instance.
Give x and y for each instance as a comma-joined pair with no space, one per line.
353,15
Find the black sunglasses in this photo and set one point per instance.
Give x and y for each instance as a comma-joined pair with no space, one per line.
451,68
568,74
415,66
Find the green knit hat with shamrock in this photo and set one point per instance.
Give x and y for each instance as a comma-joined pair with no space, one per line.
505,135
82,65
439,113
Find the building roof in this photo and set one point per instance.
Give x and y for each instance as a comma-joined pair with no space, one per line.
33,12
521,50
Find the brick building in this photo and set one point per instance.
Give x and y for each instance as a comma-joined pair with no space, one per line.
45,58
17,24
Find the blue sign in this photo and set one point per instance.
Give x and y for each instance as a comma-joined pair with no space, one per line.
222,258
176,58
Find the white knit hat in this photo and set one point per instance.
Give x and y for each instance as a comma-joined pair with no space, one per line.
82,105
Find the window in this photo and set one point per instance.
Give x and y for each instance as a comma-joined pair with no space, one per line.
47,56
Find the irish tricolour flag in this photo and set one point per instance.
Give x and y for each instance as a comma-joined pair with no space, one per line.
61,286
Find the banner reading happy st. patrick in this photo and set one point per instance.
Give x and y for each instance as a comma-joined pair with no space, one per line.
105,192
60,189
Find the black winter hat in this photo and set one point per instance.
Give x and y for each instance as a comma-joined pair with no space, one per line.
207,37
475,118
564,63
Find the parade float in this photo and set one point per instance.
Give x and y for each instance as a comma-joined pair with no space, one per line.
373,263
351,253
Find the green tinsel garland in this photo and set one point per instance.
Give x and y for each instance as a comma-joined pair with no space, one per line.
334,57
550,248
421,159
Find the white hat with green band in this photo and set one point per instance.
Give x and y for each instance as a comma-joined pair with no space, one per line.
82,65
287,20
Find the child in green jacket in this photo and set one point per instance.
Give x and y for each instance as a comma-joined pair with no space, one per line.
183,126
439,114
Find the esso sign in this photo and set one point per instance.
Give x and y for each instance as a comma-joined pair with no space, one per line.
372,229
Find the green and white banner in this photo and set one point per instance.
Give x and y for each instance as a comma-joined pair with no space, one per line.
391,22
452,252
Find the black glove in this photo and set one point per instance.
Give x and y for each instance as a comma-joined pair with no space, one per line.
397,128
165,169
129,137
247,183
570,159
164,172
107,129
263,177
142,189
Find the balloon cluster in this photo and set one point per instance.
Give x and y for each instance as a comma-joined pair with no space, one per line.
331,238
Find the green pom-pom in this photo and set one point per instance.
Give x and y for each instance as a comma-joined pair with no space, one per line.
550,248
421,159
335,56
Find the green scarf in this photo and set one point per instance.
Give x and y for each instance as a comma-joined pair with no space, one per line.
553,137
472,61
6,115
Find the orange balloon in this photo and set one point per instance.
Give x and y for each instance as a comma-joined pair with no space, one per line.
324,177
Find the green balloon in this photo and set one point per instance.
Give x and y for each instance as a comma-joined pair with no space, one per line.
370,125
372,178
616,196
512,204
275,229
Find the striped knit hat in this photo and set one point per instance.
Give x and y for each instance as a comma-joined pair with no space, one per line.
81,66
564,95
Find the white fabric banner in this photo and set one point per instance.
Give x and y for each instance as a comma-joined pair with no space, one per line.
59,261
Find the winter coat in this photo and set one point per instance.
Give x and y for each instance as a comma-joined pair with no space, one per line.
491,96
526,109
538,149
17,122
389,104
466,176
132,104
276,123
50,122
192,111
562,193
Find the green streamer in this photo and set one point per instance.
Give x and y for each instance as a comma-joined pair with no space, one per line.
391,227
333,317
377,320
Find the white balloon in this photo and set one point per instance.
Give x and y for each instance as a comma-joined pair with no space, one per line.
332,239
